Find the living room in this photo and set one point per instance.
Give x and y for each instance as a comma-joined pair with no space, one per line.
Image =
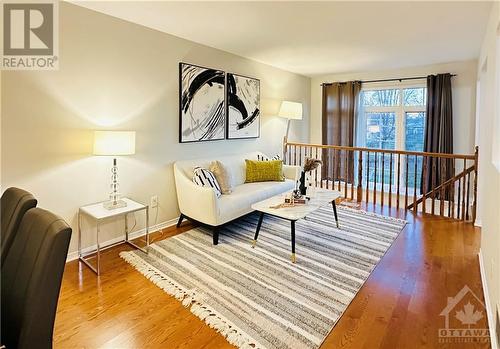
357,230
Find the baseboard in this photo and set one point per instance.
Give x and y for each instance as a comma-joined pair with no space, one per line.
133,235
490,312
478,223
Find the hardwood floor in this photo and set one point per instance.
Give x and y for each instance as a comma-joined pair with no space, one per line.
398,307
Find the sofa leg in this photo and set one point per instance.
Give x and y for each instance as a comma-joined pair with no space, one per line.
215,235
181,217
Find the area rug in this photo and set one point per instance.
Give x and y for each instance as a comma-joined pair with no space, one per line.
256,297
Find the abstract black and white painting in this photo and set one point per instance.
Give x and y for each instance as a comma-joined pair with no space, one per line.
243,107
202,104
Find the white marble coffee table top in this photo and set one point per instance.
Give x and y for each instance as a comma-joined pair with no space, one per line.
322,198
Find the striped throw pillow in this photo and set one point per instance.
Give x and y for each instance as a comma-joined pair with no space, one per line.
265,158
205,178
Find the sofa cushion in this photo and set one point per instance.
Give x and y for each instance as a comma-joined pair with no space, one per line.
243,196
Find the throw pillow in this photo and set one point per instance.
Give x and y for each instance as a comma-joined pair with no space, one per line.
265,158
222,175
263,171
205,178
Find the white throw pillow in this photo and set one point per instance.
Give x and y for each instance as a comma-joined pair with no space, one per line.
205,178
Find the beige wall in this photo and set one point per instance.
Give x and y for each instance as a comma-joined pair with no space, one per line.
117,75
464,96
487,138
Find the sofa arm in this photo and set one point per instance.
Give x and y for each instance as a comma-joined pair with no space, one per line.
196,202
291,172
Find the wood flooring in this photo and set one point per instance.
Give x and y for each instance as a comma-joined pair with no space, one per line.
398,307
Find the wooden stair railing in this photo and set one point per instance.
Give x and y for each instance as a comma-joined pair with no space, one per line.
394,178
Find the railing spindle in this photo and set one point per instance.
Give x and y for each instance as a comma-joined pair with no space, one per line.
398,180
367,176
468,196
375,181
346,177
415,185
424,184
442,166
406,182
382,181
390,181
433,185
359,193
463,193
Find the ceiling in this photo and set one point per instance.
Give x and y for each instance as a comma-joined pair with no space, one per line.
314,38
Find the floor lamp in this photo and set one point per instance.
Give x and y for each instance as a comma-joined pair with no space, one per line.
290,111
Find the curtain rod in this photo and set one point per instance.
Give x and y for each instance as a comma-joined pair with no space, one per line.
386,80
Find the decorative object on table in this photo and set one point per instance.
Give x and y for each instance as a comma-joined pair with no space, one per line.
243,107
114,143
202,111
290,111
340,260
310,165
300,201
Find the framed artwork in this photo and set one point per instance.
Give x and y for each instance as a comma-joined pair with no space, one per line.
202,114
243,107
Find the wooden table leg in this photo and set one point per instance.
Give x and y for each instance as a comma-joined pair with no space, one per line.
259,224
293,241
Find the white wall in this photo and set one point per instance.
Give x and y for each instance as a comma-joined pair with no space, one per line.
118,75
487,138
464,97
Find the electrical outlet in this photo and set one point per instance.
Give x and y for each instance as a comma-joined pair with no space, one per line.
154,201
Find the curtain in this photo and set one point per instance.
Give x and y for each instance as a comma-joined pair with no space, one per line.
340,104
438,136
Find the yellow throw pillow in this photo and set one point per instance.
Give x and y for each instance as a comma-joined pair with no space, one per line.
263,171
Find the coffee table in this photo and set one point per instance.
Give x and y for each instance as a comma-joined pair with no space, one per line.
321,198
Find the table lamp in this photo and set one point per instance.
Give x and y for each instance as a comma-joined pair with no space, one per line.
114,143
290,111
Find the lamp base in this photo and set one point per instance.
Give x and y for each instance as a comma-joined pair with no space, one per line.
112,205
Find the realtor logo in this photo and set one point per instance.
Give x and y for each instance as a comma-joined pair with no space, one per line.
30,39
462,319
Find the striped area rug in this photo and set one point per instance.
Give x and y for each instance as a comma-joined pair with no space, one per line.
256,297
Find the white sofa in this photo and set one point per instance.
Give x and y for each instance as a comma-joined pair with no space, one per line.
202,205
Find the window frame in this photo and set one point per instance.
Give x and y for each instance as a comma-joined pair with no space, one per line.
400,111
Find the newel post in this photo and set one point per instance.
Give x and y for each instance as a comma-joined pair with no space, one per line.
476,162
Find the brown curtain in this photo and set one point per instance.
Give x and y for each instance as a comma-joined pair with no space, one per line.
340,102
438,137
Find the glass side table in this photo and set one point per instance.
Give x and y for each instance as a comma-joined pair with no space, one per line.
99,213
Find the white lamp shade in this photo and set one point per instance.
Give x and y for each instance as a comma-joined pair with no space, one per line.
291,110
114,142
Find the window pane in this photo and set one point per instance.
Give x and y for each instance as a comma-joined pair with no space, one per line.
381,130
414,96
414,131
380,134
381,98
414,141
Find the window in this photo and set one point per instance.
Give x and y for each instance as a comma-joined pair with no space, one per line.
393,117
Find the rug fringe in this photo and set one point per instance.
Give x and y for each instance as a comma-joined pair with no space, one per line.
372,214
189,300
